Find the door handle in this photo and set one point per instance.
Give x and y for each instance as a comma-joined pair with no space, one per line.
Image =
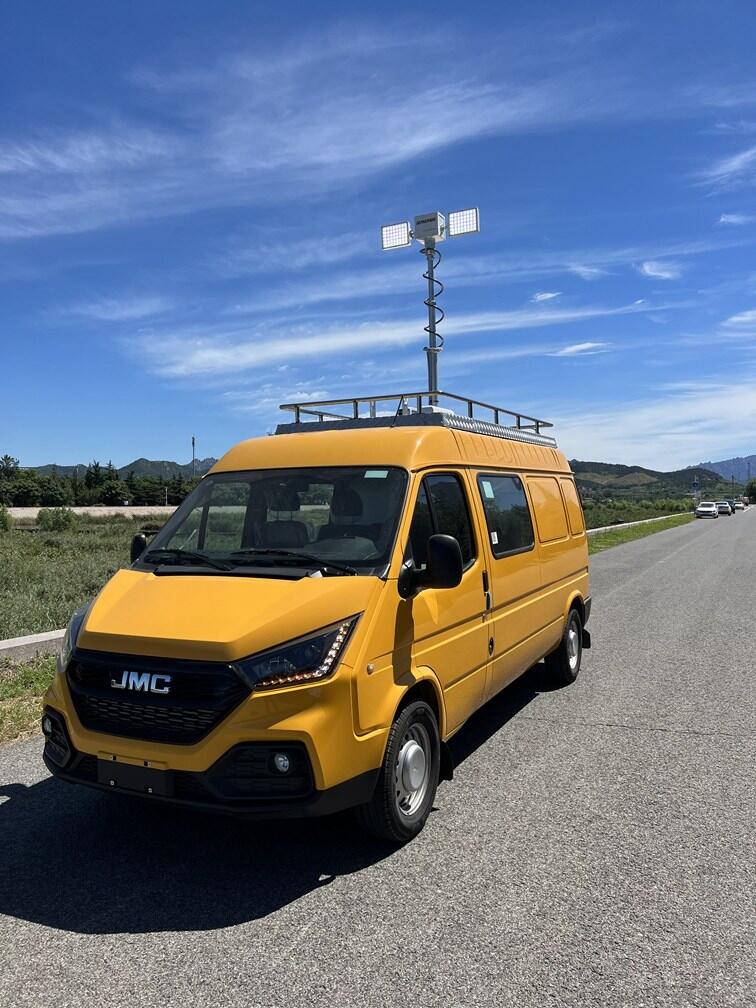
486,590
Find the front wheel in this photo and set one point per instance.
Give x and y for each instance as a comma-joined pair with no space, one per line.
563,664
408,779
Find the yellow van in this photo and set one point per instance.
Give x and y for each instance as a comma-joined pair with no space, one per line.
324,611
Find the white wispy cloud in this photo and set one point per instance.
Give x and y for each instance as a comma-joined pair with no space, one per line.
581,349
290,251
545,296
737,168
83,153
207,351
325,112
128,309
586,272
743,320
401,274
660,270
735,218
252,129
669,431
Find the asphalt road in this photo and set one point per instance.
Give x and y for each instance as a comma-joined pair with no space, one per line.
596,846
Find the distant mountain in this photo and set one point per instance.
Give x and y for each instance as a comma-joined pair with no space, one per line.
737,467
146,467
140,467
604,479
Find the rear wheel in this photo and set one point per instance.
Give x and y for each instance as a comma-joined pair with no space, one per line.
408,779
563,665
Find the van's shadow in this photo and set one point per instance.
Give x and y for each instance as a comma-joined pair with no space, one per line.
84,861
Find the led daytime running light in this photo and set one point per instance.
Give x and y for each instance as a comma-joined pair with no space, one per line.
321,671
304,660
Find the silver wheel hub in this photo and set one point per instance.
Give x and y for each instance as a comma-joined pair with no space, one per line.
412,770
412,766
573,646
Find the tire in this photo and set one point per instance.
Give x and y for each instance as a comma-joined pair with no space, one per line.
407,782
563,665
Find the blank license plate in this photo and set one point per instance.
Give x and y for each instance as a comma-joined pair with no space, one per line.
127,777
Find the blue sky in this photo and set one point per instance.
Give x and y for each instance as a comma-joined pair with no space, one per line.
191,196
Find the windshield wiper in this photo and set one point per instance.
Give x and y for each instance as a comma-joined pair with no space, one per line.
180,554
308,558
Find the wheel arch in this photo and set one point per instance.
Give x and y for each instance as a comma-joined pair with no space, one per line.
577,602
425,687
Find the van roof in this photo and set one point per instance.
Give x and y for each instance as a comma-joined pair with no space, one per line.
410,446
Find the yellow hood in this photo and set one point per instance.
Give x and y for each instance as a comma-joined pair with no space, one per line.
215,618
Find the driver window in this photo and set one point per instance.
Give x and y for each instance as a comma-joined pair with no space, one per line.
441,507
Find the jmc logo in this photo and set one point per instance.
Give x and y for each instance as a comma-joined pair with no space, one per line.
145,682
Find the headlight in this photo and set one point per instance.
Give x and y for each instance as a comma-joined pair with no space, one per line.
69,640
308,659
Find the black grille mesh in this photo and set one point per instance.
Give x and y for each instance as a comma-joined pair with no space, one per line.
201,695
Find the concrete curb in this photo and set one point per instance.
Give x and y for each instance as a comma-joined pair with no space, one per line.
643,521
21,648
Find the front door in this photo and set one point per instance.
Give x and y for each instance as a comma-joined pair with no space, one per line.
449,626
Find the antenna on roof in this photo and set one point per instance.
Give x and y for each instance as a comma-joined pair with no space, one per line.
429,229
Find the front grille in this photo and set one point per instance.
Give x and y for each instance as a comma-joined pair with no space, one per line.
201,695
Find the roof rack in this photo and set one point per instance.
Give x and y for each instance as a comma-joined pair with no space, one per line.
417,409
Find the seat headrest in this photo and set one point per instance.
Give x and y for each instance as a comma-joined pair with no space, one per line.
346,502
283,498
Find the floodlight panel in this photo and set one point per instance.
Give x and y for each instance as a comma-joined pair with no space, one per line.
395,235
463,222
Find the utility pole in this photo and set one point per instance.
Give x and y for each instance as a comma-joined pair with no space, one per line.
194,460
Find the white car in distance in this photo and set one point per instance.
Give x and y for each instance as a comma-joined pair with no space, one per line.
707,509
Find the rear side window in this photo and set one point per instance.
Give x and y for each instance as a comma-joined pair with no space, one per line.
510,529
441,508
574,510
548,506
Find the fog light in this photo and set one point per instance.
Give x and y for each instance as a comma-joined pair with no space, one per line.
281,762
47,726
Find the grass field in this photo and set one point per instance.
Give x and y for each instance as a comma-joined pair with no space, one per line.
46,575
604,540
21,689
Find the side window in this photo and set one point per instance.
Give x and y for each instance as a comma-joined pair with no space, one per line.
574,510
550,515
441,508
510,529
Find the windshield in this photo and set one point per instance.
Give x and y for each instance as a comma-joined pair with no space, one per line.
335,516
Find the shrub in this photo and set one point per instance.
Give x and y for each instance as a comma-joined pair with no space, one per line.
5,519
56,519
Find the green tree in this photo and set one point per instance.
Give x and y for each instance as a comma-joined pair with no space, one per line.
8,467
26,490
113,492
53,492
751,491
94,476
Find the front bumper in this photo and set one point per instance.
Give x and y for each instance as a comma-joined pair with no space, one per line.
242,783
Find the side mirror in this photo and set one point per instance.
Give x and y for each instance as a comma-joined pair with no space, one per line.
138,546
443,569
